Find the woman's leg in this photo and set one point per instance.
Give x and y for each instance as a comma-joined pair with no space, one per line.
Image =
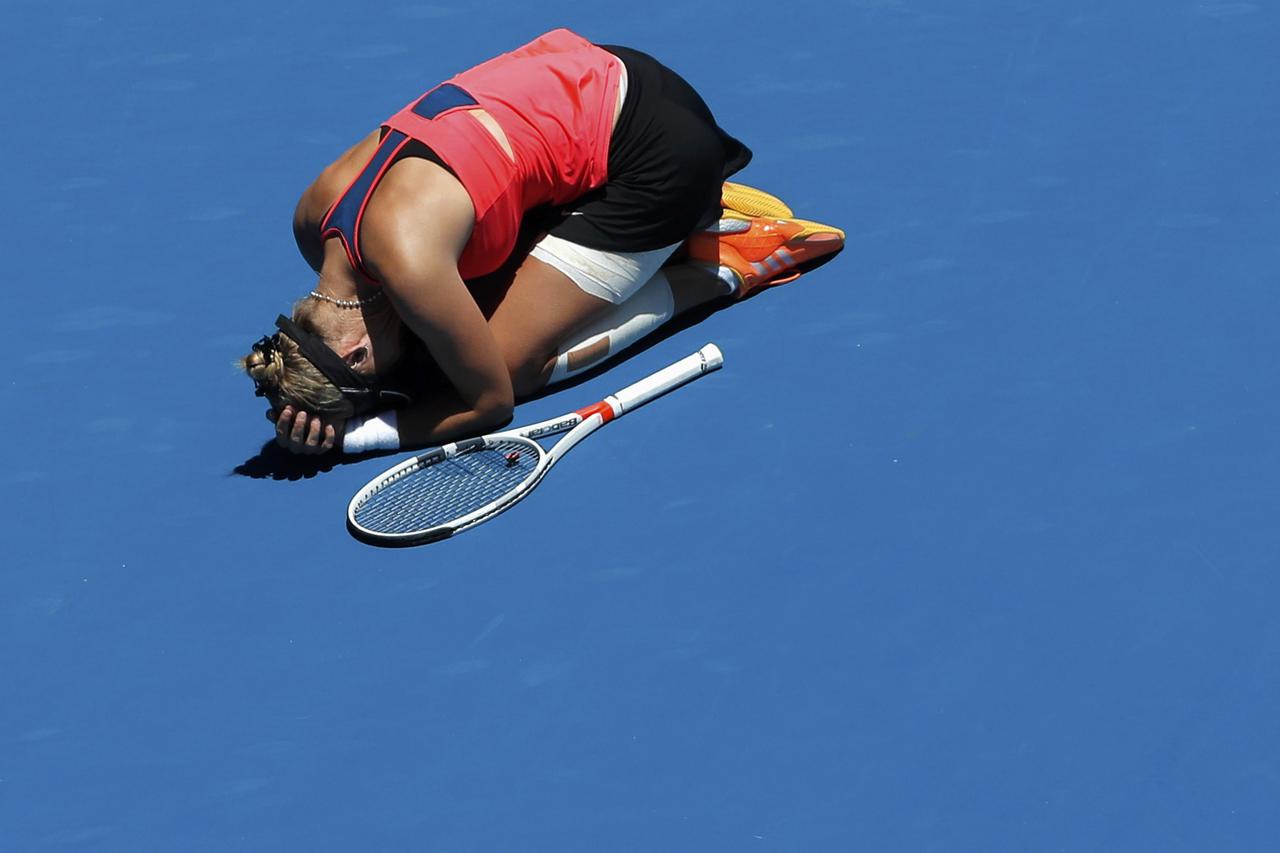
550,329
540,308
670,292
564,291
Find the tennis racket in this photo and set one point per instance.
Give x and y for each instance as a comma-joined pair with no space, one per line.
449,489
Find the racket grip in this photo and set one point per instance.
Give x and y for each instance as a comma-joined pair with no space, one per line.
687,369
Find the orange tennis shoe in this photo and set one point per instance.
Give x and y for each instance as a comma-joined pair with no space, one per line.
765,251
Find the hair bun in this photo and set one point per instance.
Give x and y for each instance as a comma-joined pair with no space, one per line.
265,367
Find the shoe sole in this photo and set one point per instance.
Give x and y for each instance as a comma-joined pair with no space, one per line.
753,202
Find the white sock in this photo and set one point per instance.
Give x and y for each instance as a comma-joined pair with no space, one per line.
731,280
729,226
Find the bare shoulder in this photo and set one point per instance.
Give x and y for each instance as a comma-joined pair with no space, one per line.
417,223
323,192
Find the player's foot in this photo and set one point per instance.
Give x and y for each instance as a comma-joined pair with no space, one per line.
763,251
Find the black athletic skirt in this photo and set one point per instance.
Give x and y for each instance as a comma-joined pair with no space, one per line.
667,160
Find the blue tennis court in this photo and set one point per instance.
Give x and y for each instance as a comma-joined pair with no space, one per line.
971,545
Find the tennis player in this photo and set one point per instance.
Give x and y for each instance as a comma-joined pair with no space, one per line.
617,143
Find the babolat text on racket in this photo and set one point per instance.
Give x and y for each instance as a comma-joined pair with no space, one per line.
436,494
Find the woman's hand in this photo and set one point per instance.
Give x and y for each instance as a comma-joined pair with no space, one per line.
298,432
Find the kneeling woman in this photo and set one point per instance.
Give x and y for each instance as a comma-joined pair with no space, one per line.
435,197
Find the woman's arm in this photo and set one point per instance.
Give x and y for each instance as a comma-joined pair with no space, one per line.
306,232
450,324
413,233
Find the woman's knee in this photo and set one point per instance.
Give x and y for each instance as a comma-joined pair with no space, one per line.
528,369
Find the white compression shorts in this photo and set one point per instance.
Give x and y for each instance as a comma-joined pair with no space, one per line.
611,276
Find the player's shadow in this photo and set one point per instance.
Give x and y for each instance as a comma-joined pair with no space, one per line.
273,462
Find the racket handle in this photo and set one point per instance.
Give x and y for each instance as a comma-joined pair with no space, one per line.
669,378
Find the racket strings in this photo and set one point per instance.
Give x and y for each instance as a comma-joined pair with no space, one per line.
449,489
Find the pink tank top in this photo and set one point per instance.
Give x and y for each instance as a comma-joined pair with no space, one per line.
554,99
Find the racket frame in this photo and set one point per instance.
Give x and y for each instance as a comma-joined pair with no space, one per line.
576,426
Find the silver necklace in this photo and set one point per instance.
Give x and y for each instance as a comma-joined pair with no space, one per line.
346,303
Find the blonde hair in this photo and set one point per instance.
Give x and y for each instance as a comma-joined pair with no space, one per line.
287,377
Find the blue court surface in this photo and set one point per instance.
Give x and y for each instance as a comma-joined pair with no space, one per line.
971,546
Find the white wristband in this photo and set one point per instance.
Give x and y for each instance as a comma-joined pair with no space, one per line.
376,432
